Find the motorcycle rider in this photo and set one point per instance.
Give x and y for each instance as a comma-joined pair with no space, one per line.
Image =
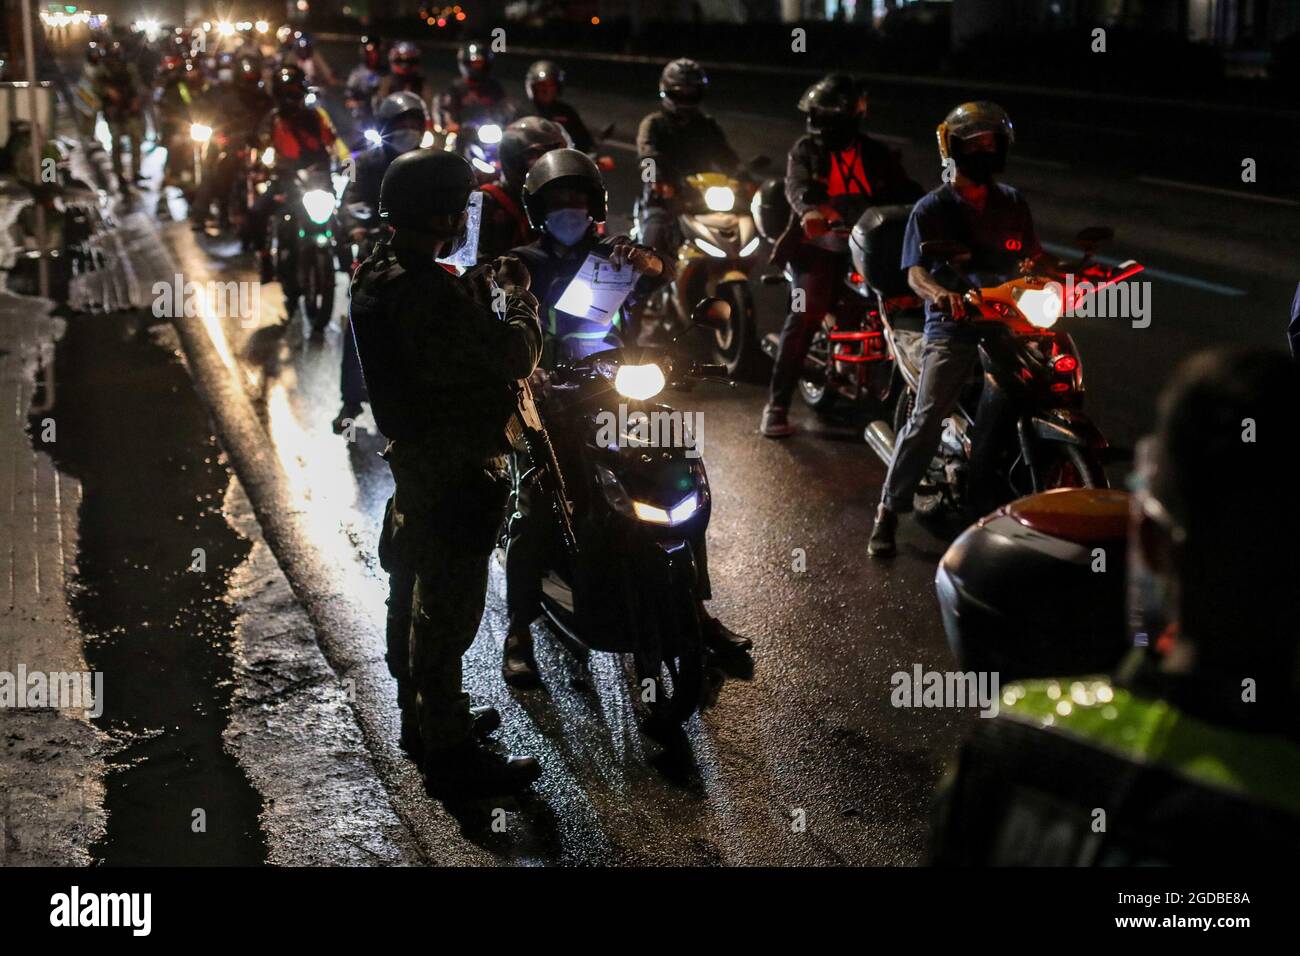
300,51
403,120
121,96
363,85
475,92
237,108
994,221
544,82
404,71
439,365
1192,750
565,198
833,173
363,81
505,223
302,137
678,139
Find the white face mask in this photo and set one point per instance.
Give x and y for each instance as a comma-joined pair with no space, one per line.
404,140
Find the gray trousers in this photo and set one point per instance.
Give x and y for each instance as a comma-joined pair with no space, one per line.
945,368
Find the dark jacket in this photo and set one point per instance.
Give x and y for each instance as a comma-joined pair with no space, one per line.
808,170
681,149
552,266
370,167
466,101
438,364
564,114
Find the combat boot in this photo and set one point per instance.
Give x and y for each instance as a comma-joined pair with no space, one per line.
469,770
881,542
518,666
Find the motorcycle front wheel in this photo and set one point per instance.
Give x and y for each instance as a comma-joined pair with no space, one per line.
318,290
818,395
1063,465
669,666
736,346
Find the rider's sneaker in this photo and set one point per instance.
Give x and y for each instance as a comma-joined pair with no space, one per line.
776,422
469,770
518,666
881,542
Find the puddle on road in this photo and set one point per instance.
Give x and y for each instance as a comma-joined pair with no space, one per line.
132,430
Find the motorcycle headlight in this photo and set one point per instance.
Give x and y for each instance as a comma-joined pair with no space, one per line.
482,166
710,248
490,134
1041,307
621,502
679,512
200,133
372,137
319,205
749,248
719,198
268,156
639,382
427,141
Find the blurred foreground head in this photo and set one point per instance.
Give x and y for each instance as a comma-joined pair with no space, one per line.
1217,519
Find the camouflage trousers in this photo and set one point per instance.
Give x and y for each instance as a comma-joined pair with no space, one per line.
440,528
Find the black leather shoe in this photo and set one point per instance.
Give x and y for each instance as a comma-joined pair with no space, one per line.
518,666
469,770
723,640
486,720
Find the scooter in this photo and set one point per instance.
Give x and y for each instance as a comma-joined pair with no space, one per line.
625,567
304,245
715,258
1019,427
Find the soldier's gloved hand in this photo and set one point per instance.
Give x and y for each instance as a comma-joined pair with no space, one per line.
511,271
539,382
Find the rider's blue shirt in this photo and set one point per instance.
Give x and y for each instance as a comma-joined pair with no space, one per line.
999,236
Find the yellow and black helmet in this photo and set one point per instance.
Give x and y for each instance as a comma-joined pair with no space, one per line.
972,119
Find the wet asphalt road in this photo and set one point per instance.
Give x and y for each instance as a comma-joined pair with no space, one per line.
810,733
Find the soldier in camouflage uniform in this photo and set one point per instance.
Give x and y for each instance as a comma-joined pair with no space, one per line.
439,364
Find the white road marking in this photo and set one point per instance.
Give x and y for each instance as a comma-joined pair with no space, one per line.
1217,191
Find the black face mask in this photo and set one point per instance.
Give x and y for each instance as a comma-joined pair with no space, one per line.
980,168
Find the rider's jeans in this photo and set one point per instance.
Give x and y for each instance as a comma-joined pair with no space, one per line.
945,368
816,272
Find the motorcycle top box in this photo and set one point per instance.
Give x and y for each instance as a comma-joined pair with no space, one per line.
1038,588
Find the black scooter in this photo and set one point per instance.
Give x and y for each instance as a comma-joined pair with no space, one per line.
625,565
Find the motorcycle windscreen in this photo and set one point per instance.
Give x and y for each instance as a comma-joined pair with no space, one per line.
467,255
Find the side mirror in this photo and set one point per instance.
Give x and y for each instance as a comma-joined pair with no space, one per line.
1093,236
945,250
712,313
